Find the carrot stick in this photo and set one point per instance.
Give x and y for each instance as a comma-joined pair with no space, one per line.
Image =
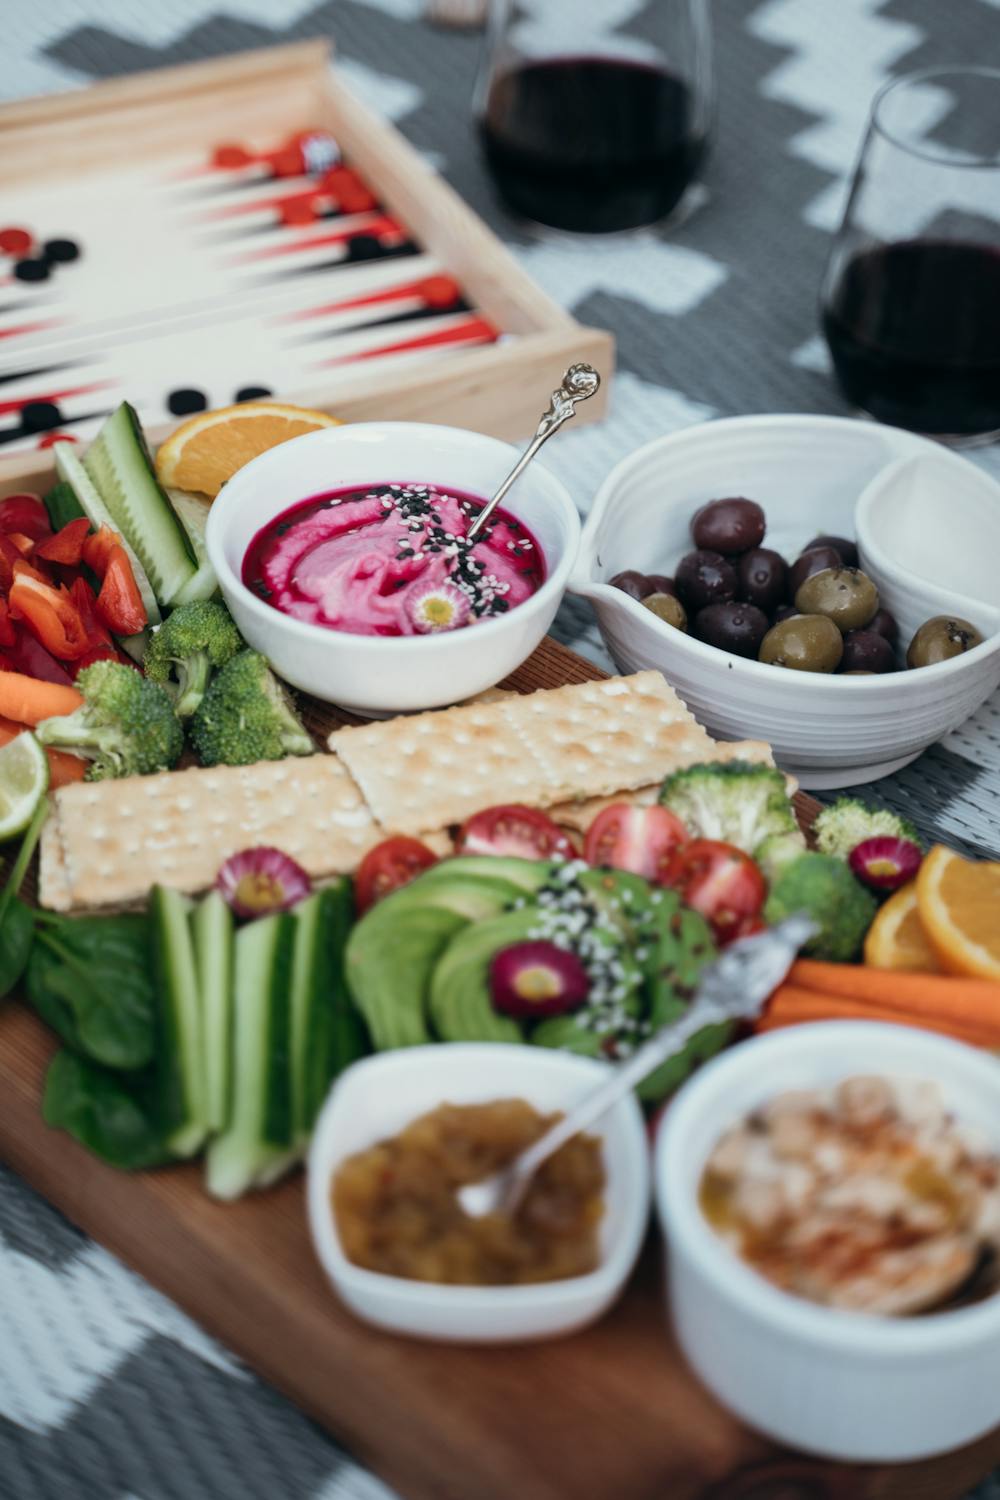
63,767
28,700
889,1018
789,1006
966,1001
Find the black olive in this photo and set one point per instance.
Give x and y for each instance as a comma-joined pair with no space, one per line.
737,628
867,651
704,578
659,583
728,526
763,578
885,624
848,550
636,585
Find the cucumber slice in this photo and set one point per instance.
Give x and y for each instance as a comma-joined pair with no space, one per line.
193,515
62,505
212,931
72,472
327,1032
256,1144
179,1059
119,465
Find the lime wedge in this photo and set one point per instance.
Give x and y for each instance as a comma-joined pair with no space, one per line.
24,780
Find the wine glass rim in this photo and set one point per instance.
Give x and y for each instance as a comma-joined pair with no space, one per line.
923,75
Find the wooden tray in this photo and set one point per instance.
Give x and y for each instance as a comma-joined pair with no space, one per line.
609,1414
498,390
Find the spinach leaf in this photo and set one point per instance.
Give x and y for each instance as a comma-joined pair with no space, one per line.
17,923
114,1117
90,979
17,931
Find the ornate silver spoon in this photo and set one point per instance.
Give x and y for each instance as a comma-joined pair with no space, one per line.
579,383
735,986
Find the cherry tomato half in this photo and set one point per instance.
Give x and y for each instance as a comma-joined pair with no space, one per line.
722,883
391,864
641,839
514,831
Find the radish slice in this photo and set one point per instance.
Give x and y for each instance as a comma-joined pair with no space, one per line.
885,863
537,979
258,881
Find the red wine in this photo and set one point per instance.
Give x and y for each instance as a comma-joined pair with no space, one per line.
591,143
914,331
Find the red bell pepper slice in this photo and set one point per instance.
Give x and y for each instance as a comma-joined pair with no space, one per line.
119,603
8,635
50,614
25,544
27,514
9,555
66,545
25,569
102,652
98,548
30,657
85,602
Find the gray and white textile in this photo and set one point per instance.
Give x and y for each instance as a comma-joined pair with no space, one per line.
107,1391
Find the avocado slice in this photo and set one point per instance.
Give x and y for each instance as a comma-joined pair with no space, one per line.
527,874
470,898
682,947
460,1005
392,951
387,964
621,898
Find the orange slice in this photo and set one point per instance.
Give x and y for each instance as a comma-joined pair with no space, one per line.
896,939
959,904
207,450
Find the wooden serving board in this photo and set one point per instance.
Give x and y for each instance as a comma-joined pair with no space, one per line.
612,1413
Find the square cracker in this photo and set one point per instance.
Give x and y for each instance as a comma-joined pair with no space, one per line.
587,739
53,883
113,839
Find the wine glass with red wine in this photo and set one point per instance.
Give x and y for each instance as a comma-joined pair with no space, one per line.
911,297
591,125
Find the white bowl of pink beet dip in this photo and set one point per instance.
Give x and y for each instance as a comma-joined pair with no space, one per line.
343,557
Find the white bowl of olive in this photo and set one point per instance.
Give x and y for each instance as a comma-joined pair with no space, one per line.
724,556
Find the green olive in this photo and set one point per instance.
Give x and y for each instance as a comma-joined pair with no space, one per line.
845,595
805,643
665,607
940,639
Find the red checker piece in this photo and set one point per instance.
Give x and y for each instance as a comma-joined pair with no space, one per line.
287,162
16,241
440,291
231,156
298,210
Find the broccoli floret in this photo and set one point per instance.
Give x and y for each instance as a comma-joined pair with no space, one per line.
825,889
246,716
777,851
847,822
192,641
126,727
737,801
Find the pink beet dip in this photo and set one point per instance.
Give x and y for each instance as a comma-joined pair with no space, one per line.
392,559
